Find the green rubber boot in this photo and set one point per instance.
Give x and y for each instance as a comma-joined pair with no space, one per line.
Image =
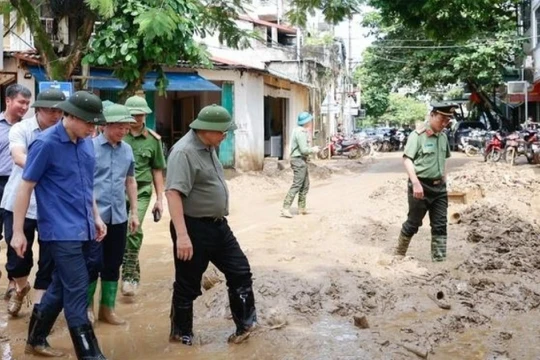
438,248
107,304
403,246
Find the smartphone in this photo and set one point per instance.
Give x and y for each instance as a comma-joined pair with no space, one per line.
157,215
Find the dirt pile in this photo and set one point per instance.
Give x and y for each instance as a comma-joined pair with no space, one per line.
506,242
493,177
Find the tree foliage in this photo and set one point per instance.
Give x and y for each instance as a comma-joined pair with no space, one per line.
403,110
333,11
143,36
444,19
410,53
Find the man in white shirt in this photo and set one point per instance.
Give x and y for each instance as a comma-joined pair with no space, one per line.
21,136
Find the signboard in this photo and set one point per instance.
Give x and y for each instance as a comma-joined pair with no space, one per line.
65,87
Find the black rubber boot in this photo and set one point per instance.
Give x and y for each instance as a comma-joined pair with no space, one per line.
85,343
39,328
242,303
181,323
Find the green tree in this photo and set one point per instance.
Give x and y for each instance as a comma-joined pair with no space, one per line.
140,36
58,63
403,110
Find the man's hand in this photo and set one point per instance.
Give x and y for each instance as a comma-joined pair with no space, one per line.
101,229
19,243
133,223
418,190
158,206
184,248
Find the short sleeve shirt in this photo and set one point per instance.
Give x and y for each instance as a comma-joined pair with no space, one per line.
148,153
22,134
64,175
429,152
6,162
194,170
113,165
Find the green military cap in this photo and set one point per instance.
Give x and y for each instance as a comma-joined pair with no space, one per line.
49,98
213,118
84,105
117,113
444,108
138,106
106,103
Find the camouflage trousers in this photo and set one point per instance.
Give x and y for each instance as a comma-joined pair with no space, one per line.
300,183
435,202
131,270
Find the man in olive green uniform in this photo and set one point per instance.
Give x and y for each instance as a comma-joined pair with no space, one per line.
149,165
198,200
425,162
300,152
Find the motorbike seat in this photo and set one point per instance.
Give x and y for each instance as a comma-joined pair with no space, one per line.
348,143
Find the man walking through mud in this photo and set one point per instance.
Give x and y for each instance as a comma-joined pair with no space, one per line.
198,200
425,162
300,151
149,165
60,166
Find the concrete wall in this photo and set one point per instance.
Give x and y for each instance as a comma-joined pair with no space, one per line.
248,114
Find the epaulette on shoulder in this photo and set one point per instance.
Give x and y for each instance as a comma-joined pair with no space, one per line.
154,134
420,129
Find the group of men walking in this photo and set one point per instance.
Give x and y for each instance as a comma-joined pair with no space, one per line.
86,194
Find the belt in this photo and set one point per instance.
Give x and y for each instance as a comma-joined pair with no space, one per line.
208,219
431,181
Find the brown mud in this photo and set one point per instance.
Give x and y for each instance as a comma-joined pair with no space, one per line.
315,276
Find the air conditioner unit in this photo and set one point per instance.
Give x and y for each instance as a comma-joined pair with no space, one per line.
517,87
529,62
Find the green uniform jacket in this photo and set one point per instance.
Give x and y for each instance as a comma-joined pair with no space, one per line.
148,153
428,151
299,143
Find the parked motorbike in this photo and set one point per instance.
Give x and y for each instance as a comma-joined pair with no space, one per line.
494,147
475,143
526,144
341,146
392,141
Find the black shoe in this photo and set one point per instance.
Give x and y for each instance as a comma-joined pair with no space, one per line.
181,324
85,343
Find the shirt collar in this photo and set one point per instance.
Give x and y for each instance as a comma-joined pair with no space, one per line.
199,145
144,133
102,140
61,130
34,124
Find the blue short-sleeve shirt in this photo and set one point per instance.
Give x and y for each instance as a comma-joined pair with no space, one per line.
64,175
113,165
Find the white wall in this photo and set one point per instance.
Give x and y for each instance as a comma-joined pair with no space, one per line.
248,114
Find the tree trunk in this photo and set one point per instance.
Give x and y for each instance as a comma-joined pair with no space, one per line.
57,68
133,86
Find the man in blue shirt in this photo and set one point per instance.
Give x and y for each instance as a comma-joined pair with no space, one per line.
114,176
60,167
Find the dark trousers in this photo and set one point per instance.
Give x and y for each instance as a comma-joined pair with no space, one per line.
69,286
20,267
215,242
435,202
108,254
3,182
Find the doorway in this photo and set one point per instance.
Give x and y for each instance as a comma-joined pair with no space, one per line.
275,117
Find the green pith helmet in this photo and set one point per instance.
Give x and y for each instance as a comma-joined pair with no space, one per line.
49,98
138,106
117,113
107,103
213,118
85,106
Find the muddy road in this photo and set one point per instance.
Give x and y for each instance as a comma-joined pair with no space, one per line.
313,274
